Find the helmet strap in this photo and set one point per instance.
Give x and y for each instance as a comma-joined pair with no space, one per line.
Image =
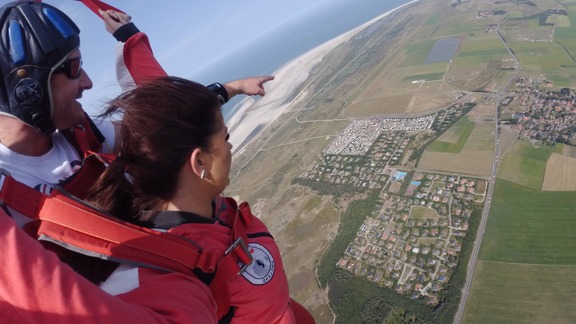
41,120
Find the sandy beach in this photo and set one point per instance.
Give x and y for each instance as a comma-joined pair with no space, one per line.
257,113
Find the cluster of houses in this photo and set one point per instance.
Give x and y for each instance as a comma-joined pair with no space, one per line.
412,241
361,134
363,152
489,13
544,115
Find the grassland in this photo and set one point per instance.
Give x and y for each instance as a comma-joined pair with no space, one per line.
521,293
453,140
565,31
525,273
527,260
560,173
466,147
423,213
525,164
545,49
530,226
478,61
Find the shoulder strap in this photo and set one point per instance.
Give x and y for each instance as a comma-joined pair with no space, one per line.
236,259
72,222
96,5
86,138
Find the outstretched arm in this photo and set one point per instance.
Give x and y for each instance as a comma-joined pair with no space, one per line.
249,86
139,62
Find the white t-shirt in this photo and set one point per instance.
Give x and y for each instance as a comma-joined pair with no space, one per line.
42,172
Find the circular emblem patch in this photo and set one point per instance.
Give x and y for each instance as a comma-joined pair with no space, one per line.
28,91
262,268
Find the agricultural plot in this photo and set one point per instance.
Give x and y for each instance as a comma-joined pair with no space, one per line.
560,173
448,25
527,29
453,140
525,164
544,48
527,262
521,293
480,58
468,161
466,147
547,59
565,29
525,272
530,226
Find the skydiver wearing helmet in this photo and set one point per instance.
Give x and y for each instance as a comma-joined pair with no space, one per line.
42,80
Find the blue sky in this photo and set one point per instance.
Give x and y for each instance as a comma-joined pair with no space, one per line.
184,34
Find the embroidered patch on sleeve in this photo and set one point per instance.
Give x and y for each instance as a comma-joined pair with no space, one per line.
262,268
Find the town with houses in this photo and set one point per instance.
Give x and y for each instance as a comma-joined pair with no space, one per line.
543,115
412,240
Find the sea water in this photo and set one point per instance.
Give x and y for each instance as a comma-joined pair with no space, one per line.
268,53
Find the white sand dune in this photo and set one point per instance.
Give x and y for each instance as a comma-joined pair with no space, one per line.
255,112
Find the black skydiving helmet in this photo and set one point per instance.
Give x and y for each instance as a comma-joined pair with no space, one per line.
36,38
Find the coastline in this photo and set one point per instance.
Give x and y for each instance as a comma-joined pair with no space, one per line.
255,114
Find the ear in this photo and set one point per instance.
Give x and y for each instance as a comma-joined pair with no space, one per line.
198,161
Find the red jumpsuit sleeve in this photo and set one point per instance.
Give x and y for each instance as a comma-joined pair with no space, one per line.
139,61
35,287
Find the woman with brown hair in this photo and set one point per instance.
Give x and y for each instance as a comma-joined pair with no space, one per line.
172,167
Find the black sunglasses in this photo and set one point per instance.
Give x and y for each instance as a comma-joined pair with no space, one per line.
72,68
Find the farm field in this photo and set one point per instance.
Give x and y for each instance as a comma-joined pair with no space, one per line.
526,266
466,147
530,226
543,48
525,272
560,173
525,164
521,293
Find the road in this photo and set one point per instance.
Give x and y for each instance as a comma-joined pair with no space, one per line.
499,96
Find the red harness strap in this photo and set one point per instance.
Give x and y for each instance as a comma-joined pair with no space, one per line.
233,263
69,222
84,138
96,5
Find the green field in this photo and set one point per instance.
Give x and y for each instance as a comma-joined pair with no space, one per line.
530,226
565,31
525,164
527,262
521,293
416,52
452,25
484,48
526,267
419,212
461,130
